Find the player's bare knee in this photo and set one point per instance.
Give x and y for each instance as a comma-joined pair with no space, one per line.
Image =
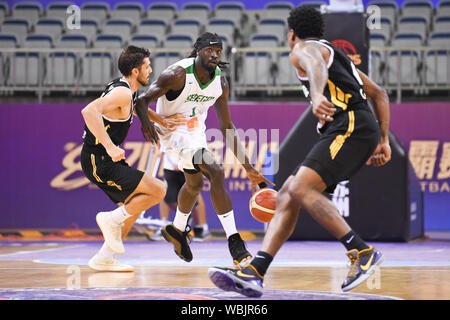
283,193
195,186
297,191
159,189
154,187
217,174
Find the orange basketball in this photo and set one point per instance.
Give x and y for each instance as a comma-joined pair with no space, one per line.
262,204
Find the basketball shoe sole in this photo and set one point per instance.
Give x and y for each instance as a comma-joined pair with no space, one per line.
230,280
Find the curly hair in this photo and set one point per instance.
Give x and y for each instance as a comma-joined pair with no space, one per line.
130,58
307,22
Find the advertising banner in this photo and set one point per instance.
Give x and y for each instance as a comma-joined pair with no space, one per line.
349,32
43,186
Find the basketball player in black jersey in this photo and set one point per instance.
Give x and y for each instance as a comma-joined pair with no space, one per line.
350,138
108,119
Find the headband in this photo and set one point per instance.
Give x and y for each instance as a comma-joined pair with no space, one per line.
209,43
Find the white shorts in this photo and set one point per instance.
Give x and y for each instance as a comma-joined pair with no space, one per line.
183,146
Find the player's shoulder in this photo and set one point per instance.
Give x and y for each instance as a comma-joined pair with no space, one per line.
122,95
185,63
176,70
172,77
121,90
224,81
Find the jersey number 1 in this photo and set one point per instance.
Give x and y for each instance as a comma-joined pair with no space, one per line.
192,123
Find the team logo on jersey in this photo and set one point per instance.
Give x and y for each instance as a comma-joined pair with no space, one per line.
349,50
199,98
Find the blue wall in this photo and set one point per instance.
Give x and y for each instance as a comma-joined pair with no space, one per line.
249,4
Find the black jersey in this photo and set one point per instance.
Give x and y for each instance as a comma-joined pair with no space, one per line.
344,87
116,129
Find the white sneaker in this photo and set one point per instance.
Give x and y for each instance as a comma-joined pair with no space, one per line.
98,264
112,232
157,236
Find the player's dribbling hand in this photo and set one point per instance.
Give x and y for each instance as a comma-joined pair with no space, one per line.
150,132
171,122
257,178
322,108
380,156
116,153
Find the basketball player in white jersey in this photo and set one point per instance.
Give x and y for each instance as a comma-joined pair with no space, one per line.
190,87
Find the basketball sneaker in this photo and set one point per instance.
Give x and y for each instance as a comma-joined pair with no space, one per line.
156,236
179,239
201,234
112,231
362,264
110,264
238,250
245,281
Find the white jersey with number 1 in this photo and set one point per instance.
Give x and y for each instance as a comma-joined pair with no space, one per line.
193,102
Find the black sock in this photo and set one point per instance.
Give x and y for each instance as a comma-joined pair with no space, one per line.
261,262
352,241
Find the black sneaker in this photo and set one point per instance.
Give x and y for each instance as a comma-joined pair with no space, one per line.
179,240
363,264
238,250
200,234
246,281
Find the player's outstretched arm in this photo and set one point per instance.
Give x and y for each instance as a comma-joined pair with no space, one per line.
380,101
231,136
92,114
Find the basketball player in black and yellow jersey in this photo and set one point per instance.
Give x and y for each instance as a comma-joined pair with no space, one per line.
350,137
107,120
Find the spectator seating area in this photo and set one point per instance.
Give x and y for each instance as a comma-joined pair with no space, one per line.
409,29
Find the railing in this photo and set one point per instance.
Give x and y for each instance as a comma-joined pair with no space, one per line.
252,70
398,70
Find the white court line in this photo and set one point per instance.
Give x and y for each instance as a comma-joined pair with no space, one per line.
148,262
38,251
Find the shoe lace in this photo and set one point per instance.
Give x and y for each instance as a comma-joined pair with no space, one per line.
186,233
112,260
354,264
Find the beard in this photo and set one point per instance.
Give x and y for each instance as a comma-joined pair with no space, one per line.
208,67
143,82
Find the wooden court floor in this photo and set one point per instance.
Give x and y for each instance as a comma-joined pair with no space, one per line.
63,265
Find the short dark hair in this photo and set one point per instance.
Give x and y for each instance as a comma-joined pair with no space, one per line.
306,21
130,58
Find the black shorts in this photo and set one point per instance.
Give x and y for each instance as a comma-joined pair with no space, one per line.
344,147
117,179
175,180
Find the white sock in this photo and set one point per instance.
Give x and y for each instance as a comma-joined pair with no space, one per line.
228,224
105,252
181,220
120,214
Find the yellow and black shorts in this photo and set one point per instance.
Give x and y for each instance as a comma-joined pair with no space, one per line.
117,179
344,146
